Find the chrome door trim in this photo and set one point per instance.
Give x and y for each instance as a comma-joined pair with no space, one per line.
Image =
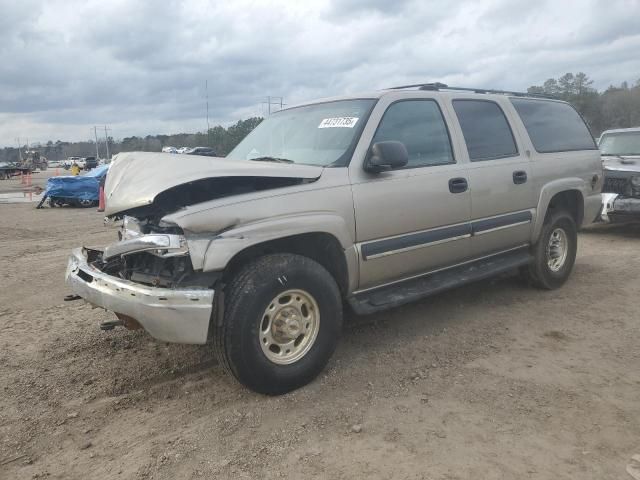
407,242
415,247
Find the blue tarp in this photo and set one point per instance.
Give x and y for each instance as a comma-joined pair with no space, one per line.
83,187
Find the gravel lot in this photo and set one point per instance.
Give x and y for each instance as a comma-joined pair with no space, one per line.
490,381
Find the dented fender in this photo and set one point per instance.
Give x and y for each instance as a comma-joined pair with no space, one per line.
215,252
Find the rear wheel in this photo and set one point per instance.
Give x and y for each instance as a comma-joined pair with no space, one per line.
282,321
555,251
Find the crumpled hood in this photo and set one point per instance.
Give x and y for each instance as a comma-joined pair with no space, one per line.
629,163
136,178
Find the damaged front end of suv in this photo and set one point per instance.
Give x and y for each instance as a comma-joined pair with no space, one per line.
156,275
621,163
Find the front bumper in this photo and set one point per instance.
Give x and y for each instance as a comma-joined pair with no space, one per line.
180,316
616,207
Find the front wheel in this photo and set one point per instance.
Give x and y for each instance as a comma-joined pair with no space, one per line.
555,252
282,321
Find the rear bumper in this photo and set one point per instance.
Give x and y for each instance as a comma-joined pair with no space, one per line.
180,316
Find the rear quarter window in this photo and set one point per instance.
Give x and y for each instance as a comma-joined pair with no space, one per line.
553,126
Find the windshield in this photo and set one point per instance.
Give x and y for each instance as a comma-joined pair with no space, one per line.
627,143
322,134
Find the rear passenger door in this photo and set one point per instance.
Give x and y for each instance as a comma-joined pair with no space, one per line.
502,202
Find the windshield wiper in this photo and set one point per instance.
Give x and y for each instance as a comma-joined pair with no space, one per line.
272,159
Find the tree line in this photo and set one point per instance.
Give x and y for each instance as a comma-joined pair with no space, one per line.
221,139
615,107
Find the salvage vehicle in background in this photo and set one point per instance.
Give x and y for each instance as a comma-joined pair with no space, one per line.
34,160
74,190
90,163
373,200
204,151
71,160
12,169
620,151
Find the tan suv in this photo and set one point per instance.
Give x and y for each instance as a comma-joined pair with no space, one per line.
372,200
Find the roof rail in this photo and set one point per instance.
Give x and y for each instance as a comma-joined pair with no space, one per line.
437,86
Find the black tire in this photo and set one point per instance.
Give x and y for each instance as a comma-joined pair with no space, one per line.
84,203
539,272
247,296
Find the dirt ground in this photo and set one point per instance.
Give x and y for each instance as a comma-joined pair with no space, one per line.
490,381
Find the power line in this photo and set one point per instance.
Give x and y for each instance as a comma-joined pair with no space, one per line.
278,101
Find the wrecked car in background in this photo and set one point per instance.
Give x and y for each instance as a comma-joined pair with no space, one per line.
372,201
620,150
74,190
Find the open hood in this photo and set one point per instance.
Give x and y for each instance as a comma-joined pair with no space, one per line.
137,179
622,163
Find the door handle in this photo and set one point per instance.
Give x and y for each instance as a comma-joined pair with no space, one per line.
458,185
519,176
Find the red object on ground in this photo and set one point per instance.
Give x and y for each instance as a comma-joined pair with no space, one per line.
101,199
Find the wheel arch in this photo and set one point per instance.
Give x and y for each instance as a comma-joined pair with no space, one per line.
565,194
322,247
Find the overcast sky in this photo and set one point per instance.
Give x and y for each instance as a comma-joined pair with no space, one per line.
140,67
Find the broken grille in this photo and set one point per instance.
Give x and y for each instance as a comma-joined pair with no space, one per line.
615,185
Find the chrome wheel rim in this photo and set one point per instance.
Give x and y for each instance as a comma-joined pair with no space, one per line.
289,326
557,249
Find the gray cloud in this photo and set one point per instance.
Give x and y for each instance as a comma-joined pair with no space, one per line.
140,66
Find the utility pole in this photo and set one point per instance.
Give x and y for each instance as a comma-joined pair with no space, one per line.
19,149
206,92
95,131
106,141
273,101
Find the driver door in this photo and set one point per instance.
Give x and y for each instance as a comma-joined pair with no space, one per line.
417,218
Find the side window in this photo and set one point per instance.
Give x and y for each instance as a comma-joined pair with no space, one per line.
485,129
553,126
420,126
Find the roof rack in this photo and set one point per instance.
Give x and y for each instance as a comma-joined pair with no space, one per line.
437,86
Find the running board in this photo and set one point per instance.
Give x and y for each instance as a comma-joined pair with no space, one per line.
416,288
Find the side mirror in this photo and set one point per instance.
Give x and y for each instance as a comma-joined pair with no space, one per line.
386,156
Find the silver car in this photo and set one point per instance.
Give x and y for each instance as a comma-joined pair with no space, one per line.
369,201
620,149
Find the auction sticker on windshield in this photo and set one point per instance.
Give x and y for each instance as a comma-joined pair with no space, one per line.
338,122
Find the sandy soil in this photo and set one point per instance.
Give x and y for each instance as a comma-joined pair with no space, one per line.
490,381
